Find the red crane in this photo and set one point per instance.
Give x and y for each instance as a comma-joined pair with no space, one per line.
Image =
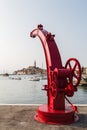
62,82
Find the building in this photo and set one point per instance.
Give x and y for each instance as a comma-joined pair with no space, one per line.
84,70
31,70
35,63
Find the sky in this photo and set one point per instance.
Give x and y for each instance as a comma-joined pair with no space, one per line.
67,19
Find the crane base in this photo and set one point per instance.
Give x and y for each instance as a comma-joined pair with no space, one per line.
50,116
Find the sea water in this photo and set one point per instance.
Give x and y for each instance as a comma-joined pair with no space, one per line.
13,91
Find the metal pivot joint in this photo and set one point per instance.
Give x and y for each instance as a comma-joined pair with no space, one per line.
62,82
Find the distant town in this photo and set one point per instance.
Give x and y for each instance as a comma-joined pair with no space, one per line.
36,70
31,70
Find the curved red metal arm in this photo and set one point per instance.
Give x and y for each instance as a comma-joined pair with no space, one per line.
42,37
52,55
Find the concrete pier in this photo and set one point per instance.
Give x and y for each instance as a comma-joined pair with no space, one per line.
21,117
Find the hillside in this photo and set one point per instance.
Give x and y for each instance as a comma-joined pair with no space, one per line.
30,70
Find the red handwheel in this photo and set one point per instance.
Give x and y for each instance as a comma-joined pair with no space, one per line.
75,68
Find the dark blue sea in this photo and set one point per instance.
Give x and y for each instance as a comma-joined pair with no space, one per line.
14,91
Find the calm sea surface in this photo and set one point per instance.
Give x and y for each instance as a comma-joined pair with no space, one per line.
29,92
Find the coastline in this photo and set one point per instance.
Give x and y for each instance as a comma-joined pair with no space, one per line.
21,117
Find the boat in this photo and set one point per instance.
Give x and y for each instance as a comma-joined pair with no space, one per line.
5,74
43,77
34,78
83,81
15,78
